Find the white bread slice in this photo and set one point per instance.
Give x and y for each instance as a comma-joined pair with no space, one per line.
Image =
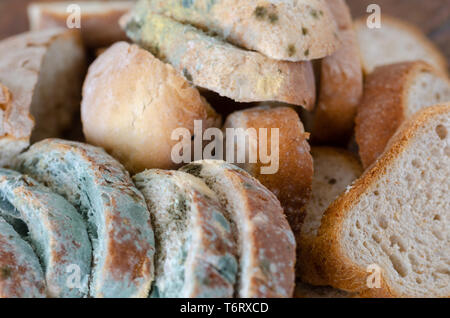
195,250
392,94
258,224
341,83
292,30
212,63
396,217
132,102
396,41
99,19
20,272
43,72
292,182
334,170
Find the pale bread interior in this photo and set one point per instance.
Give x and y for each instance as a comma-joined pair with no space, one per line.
393,43
426,89
334,171
401,221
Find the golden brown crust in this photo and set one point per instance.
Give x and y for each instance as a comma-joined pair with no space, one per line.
99,27
333,263
292,183
440,61
382,109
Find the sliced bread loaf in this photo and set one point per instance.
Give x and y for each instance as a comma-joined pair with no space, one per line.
396,41
334,170
132,103
195,256
284,30
392,94
388,234
341,83
291,183
265,242
57,233
118,219
20,272
303,290
99,20
211,63
43,73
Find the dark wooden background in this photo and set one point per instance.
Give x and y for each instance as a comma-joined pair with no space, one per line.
432,16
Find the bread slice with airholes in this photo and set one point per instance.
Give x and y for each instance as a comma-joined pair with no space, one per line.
387,235
265,242
392,94
195,254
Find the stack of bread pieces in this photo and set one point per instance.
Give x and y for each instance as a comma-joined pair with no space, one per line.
348,126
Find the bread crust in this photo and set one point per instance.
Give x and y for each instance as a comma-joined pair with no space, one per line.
439,60
20,70
382,109
333,263
132,102
292,183
306,245
20,272
341,83
270,27
116,212
259,225
99,20
211,63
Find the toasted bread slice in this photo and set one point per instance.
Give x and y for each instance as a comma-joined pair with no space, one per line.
55,229
195,255
392,94
99,20
334,170
132,102
20,272
291,183
43,73
283,30
211,63
258,224
388,234
396,41
341,83
117,216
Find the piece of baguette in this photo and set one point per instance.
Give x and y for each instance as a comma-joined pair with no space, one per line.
42,72
341,83
334,170
396,41
132,102
117,216
195,256
20,272
258,224
392,94
211,63
99,20
293,30
395,217
56,231
292,182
